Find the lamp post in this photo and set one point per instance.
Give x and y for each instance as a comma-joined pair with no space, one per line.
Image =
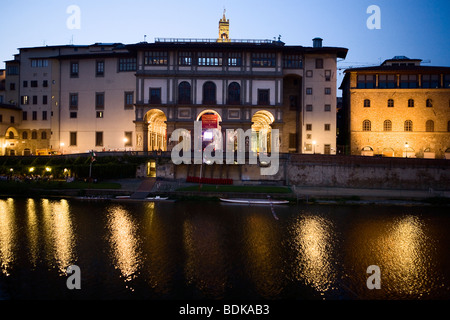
314,144
406,149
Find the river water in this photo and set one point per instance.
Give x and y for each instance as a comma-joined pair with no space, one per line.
212,250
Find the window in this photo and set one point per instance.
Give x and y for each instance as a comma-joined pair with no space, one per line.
73,100
24,116
34,135
308,91
184,58
366,81
430,81
99,114
429,103
293,102
35,99
44,100
308,127
327,127
74,69
327,90
408,125
155,96
99,139
100,68
319,63
292,141
209,93
448,126
11,135
327,108
234,59
12,119
25,84
99,100
263,59
129,100
387,125
12,70
34,84
127,64
25,100
429,126
327,75
156,58
73,115
24,135
366,103
34,115
309,107
128,139
387,81
209,58
390,103
446,80
43,135
39,63
45,83
292,61
367,125
184,93
73,138
410,103
12,86
234,93
408,81
263,97
44,115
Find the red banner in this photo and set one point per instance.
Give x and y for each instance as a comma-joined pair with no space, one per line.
209,121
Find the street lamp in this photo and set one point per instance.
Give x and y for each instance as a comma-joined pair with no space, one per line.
406,149
62,147
314,144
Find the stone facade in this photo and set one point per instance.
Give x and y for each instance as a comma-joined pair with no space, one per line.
399,122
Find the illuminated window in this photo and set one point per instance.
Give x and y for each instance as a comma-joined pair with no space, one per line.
156,58
387,125
262,59
209,59
184,58
367,126
234,59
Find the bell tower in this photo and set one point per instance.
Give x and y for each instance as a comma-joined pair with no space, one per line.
224,29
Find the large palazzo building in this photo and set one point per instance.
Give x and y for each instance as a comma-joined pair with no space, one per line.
73,99
398,109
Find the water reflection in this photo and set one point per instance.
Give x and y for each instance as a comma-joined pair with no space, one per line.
263,261
32,231
205,265
123,242
406,258
59,233
313,240
7,234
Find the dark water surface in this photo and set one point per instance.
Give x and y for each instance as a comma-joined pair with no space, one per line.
211,250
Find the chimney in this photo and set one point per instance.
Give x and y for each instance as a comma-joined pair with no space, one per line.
317,42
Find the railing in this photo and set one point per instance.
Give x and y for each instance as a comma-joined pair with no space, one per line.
209,40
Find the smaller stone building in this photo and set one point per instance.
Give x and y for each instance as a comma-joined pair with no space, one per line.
398,109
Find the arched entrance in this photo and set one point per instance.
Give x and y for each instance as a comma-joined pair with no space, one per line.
210,120
387,152
157,130
261,124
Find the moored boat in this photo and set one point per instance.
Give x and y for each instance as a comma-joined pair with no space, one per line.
254,201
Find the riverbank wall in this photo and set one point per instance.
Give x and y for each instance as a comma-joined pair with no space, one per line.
323,171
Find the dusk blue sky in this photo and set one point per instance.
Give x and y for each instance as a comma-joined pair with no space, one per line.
416,29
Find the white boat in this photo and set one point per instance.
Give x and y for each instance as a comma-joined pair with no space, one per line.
122,197
157,198
255,201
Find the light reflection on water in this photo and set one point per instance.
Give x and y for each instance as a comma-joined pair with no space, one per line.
209,250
